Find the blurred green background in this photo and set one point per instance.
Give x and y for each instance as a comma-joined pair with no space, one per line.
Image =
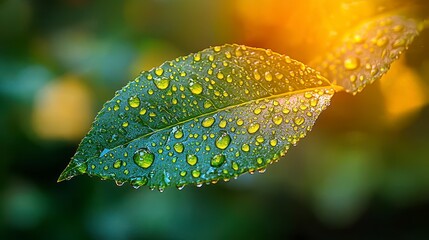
362,173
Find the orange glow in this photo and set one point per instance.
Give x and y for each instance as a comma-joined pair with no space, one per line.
299,28
62,109
403,92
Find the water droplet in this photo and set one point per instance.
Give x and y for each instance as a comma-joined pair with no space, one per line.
313,102
223,141
195,88
208,122
277,119
143,158
134,101
159,71
254,127
217,160
207,104
137,182
245,147
382,41
178,147
116,107
162,83
197,57
273,142
178,134
125,124
240,122
351,63
299,120
257,111
220,75
260,139
235,166
222,124
216,49
117,164
259,160
256,74
196,173
143,111
183,173
268,76
191,159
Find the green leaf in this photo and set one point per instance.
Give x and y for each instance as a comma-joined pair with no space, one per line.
365,53
208,116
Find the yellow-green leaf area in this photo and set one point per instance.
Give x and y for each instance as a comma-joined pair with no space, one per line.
205,117
364,54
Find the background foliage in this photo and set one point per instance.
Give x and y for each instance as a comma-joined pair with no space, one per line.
361,173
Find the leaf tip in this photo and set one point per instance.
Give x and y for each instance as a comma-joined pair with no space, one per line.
72,170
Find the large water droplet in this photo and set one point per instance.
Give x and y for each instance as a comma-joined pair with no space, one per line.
223,141
191,159
195,88
162,83
254,127
134,101
143,158
217,160
351,63
208,122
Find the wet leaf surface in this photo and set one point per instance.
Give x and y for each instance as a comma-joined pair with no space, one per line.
209,116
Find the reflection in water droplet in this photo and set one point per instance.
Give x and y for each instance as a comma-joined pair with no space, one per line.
351,63
143,158
191,159
208,122
162,83
134,101
223,141
178,147
254,127
217,160
195,88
